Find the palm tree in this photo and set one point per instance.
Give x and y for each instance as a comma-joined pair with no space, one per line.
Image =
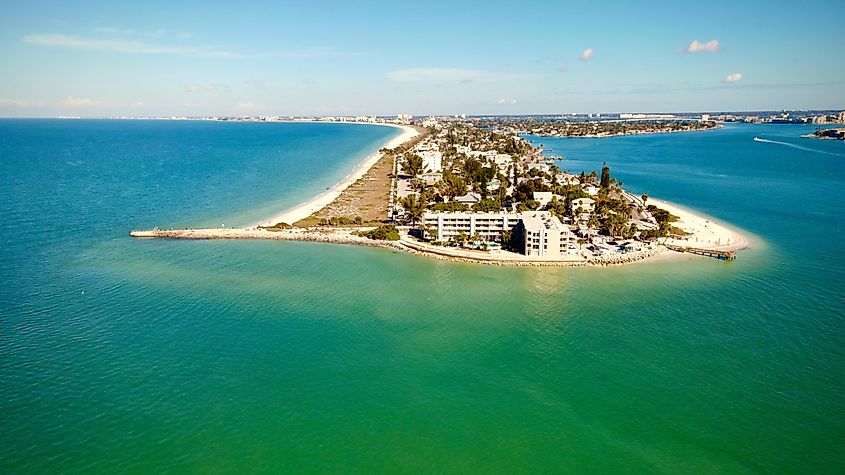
413,165
461,238
414,208
476,237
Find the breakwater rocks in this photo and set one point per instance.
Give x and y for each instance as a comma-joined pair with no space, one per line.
333,236
347,236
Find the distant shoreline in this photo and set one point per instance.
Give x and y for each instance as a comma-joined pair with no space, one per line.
624,134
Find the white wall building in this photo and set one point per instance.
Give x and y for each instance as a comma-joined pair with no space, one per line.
545,236
489,226
585,204
432,161
543,197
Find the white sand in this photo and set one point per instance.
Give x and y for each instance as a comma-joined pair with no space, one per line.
706,233
322,200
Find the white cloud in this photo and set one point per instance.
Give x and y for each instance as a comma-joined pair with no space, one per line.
119,46
503,101
79,102
216,87
734,77
5,102
122,42
128,32
450,75
587,54
698,47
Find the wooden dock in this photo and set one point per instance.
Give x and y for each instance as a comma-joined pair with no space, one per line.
723,255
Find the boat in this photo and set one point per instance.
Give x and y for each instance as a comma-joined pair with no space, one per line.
758,139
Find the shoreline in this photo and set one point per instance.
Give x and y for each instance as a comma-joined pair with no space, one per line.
315,204
707,234
626,134
347,236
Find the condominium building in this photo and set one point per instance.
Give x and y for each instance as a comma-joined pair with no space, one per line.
545,236
489,226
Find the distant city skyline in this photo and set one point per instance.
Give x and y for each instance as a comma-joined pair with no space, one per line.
442,58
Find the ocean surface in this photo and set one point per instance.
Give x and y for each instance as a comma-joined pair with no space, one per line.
152,356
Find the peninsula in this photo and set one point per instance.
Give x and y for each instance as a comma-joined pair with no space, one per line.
475,191
827,134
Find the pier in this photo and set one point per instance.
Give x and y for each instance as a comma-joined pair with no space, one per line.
723,255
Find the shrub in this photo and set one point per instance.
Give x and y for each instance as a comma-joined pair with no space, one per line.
382,233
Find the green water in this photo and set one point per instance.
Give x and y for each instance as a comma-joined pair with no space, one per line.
121,355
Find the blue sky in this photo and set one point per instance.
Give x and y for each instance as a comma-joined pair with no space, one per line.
346,58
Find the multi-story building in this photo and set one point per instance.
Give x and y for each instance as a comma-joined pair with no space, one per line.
489,226
432,161
543,233
545,236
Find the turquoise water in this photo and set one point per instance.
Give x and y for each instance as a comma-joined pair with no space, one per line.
121,355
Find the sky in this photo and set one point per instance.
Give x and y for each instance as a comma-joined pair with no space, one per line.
163,58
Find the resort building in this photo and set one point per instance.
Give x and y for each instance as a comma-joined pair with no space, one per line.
545,236
489,226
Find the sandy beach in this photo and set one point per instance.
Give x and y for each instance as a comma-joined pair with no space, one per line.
322,200
706,232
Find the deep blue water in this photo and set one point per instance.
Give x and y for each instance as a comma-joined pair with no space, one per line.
123,355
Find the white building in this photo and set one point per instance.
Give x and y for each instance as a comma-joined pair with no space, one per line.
467,199
429,122
545,236
543,197
591,190
432,161
489,226
503,161
585,204
431,178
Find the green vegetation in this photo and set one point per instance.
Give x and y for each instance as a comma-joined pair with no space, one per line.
414,208
453,185
605,176
277,227
581,128
341,221
664,223
413,164
488,205
382,233
451,206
